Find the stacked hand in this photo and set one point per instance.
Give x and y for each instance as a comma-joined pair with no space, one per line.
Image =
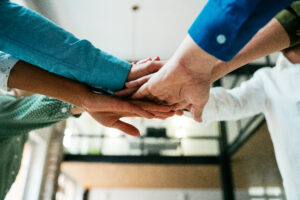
108,110
105,109
183,82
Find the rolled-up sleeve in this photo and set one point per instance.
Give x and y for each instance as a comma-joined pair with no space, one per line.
7,62
289,18
32,38
224,27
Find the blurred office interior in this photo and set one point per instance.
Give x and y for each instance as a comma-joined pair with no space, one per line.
175,159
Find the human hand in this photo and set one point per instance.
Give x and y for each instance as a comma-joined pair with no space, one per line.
292,54
143,68
184,80
140,72
108,110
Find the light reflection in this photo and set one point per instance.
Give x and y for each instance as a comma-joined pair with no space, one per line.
256,191
273,191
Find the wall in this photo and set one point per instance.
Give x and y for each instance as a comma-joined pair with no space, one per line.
159,194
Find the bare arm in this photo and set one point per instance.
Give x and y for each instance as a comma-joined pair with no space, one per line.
105,109
27,77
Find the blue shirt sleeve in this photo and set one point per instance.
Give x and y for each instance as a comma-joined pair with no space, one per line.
29,36
224,27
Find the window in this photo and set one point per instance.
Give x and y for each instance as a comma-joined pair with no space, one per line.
266,193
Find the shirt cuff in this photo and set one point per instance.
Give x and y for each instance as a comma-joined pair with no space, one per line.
54,109
112,73
7,62
224,27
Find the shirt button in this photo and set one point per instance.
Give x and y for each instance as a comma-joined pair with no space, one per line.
64,110
221,39
15,156
18,139
13,173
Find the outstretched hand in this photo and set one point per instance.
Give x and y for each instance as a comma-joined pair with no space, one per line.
109,110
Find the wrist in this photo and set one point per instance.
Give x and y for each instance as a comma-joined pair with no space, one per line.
76,110
84,99
219,69
193,58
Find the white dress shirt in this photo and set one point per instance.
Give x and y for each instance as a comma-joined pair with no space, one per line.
7,62
275,92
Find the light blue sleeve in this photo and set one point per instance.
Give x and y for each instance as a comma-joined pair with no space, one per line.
30,37
224,27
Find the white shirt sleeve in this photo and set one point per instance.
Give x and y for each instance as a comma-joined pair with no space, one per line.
7,62
237,103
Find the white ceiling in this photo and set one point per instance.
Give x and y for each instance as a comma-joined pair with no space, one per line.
156,28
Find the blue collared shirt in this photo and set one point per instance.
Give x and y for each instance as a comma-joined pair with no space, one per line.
224,27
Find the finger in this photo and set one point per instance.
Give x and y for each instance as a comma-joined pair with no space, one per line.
142,93
126,128
197,113
132,108
144,61
161,115
114,104
126,92
179,112
161,102
138,71
189,107
149,106
157,58
134,62
182,105
138,82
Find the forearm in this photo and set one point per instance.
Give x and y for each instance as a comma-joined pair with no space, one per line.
273,37
32,38
31,78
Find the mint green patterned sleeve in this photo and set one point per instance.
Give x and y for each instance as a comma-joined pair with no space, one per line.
22,115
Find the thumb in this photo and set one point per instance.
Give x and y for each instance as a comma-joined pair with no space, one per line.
197,112
138,82
142,93
126,128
